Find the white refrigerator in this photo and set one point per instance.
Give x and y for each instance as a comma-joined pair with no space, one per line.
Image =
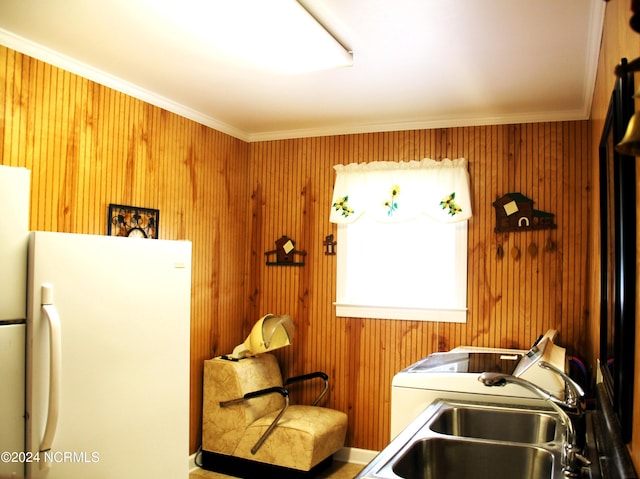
105,390
108,335
14,232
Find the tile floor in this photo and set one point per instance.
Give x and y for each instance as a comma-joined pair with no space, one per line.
338,470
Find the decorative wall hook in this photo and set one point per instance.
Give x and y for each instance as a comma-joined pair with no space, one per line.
514,212
329,245
285,253
550,245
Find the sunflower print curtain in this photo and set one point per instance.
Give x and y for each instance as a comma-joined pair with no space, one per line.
401,191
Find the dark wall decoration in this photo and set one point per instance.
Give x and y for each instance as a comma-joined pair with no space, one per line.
284,253
514,212
132,221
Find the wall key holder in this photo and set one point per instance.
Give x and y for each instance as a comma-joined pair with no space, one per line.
514,212
285,253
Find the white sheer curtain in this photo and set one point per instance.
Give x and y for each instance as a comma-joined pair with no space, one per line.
400,191
402,239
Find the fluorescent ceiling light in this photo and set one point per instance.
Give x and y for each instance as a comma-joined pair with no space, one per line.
275,35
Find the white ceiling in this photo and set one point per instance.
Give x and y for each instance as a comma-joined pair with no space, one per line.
417,63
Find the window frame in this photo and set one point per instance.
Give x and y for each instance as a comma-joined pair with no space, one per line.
448,315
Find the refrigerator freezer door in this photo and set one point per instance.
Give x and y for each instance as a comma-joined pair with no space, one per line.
14,235
124,309
12,341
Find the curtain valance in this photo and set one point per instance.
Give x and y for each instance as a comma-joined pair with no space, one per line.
400,191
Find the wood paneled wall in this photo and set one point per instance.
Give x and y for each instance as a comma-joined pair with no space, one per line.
88,146
618,41
510,301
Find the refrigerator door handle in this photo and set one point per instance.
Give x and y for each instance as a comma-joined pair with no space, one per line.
55,361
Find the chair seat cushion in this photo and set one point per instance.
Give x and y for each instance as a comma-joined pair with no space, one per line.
305,436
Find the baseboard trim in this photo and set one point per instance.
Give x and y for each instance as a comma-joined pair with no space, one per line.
354,455
346,454
192,462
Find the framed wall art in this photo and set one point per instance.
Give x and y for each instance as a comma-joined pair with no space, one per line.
132,221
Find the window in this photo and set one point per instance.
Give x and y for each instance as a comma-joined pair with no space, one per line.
399,257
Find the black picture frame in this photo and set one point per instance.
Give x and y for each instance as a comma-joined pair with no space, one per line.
133,221
618,256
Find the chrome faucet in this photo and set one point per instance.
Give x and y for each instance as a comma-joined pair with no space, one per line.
575,393
572,459
574,400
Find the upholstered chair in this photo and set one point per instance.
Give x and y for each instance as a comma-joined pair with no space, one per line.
250,430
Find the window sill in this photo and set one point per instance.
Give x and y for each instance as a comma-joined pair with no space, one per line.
394,312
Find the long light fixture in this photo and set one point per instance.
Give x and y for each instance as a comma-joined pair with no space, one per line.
304,44
275,35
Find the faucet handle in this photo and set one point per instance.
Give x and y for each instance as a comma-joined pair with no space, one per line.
576,393
573,461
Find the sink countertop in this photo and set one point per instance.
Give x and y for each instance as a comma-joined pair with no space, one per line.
605,449
378,468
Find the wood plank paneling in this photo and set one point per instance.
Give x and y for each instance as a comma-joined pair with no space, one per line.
89,146
510,301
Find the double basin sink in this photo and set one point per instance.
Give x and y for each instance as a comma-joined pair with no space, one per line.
455,440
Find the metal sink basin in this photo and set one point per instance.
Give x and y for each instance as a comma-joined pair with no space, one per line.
455,440
437,458
486,422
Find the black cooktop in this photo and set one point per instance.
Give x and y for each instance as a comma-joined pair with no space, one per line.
467,362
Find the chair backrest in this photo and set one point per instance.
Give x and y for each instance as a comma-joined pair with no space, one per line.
224,380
